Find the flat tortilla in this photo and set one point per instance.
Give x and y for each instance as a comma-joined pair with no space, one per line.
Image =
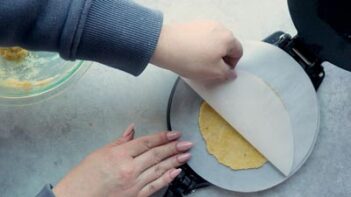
225,143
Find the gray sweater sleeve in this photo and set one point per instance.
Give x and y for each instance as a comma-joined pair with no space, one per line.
118,33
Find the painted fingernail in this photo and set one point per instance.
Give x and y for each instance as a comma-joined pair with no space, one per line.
129,131
172,135
174,173
183,146
183,157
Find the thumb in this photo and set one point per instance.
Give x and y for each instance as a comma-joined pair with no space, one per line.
226,72
127,136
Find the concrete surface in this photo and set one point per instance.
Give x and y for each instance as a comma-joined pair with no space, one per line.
41,142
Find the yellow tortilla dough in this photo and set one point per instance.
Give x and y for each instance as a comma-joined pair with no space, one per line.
225,143
25,84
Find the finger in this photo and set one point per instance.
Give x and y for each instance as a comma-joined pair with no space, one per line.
225,72
159,183
158,170
229,61
220,73
234,52
158,154
129,131
143,144
127,135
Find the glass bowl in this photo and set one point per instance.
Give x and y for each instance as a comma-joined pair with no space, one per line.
38,76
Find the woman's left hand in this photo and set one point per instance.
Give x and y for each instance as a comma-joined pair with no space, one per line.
127,167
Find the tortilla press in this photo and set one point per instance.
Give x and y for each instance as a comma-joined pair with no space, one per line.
323,35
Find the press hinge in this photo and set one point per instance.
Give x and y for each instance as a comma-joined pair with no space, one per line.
295,48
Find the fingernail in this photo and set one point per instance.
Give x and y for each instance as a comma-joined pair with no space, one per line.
183,157
129,131
174,173
172,135
183,146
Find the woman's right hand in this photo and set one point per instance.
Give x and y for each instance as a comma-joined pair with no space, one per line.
127,167
200,50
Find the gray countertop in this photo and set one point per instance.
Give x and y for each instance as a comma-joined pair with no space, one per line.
41,142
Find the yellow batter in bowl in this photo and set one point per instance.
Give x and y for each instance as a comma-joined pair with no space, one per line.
13,53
